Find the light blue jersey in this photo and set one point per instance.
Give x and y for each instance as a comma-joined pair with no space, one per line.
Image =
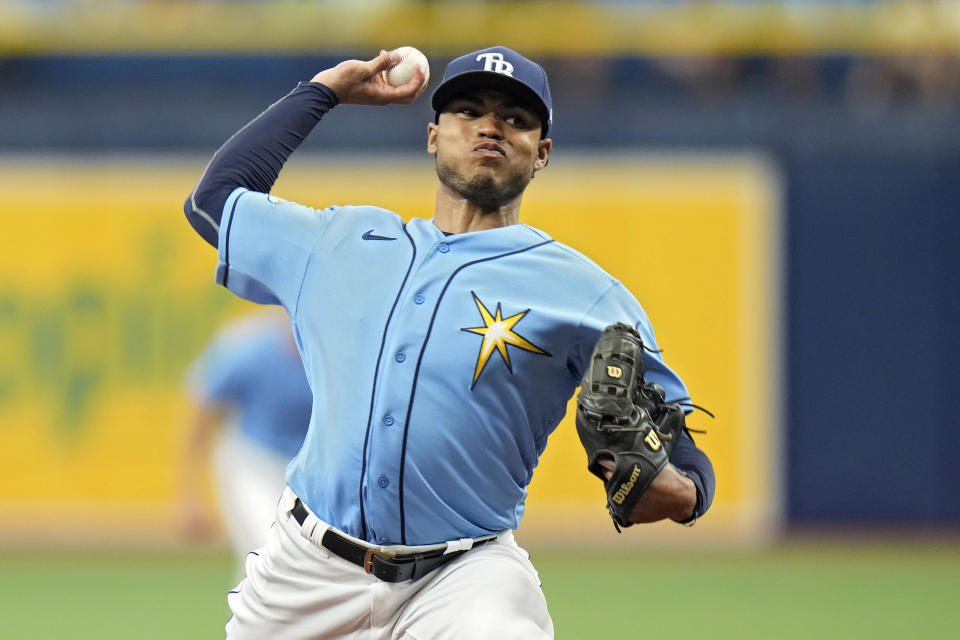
251,367
440,364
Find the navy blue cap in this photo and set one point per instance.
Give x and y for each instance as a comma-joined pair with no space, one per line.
502,69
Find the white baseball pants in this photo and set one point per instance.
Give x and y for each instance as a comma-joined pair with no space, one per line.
249,479
297,589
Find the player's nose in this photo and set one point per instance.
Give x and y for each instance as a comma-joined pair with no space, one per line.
489,125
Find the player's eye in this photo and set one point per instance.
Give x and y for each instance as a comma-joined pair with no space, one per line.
516,120
470,112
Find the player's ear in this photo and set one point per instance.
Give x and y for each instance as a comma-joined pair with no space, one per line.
543,154
432,138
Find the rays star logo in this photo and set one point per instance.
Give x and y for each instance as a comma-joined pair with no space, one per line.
497,333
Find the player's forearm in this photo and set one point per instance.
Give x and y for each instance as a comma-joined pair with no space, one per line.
672,495
202,423
253,157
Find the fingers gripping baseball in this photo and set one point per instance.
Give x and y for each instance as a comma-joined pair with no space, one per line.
365,83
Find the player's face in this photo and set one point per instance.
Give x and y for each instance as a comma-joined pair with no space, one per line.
487,146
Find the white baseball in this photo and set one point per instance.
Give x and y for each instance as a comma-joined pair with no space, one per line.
403,71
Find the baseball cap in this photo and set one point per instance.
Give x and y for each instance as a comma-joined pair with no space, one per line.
502,69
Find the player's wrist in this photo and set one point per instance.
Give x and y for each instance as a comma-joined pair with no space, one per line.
328,79
685,497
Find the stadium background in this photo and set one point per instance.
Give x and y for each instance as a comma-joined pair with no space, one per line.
790,175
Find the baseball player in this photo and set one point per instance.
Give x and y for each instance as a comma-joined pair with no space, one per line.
250,404
442,353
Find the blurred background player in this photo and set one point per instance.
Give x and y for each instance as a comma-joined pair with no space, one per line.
249,410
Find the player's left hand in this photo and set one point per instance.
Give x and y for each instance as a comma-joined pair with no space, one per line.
363,82
629,433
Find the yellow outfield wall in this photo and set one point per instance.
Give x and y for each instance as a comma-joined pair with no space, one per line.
106,295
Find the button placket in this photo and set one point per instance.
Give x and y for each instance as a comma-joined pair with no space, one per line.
404,340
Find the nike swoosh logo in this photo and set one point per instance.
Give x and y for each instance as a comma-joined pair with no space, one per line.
370,235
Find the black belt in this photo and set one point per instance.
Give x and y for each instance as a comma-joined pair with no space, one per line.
384,565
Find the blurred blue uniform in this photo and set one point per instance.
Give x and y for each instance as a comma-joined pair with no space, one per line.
248,385
253,367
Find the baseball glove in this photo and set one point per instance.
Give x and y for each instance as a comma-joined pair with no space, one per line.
623,419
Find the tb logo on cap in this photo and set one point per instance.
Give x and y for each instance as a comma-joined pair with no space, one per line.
495,62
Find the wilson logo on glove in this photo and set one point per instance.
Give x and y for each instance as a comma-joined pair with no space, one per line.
652,441
627,487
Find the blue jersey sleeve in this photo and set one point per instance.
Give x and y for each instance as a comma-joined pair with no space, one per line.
265,245
617,304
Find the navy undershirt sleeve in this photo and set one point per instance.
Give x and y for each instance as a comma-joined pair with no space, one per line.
253,156
695,463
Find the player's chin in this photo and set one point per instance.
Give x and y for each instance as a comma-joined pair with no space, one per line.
500,169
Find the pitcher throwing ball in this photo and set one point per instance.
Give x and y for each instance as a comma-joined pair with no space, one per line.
441,353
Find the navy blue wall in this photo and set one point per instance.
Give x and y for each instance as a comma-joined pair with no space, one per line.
873,226
873,342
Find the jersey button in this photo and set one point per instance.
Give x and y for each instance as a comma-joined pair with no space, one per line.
383,482
442,247
419,299
400,357
388,420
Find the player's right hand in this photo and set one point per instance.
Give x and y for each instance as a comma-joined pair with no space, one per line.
359,82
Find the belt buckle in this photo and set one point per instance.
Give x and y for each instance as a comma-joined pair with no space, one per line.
368,558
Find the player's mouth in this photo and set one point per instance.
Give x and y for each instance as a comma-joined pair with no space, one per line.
490,150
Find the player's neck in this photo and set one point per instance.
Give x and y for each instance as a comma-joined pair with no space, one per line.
454,214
